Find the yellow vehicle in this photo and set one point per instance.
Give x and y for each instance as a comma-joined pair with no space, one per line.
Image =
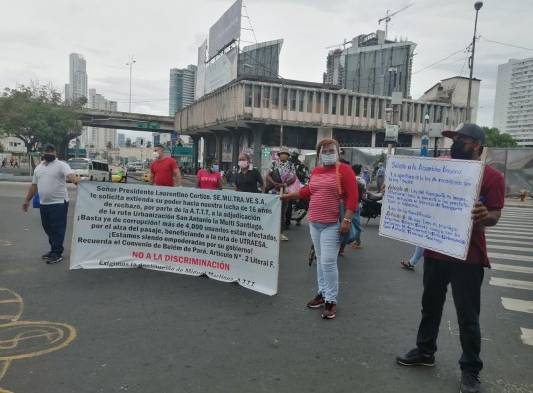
147,177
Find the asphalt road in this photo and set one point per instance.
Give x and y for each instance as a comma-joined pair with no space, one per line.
146,331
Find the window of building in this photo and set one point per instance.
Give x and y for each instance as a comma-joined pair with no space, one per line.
341,109
365,102
275,98
408,116
248,95
350,105
301,95
257,96
266,97
326,103
293,100
415,112
309,101
357,106
334,104
372,107
285,94
380,109
318,102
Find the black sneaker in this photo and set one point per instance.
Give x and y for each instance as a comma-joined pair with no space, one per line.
330,310
416,358
469,383
54,258
46,256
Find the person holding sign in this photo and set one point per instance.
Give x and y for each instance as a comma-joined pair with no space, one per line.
331,184
210,178
165,171
248,179
49,179
465,276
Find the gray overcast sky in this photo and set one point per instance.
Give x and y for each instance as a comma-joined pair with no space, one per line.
36,38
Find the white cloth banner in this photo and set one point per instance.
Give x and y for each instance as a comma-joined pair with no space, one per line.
428,202
227,235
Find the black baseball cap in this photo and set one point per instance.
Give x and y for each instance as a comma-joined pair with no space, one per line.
470,130
48,147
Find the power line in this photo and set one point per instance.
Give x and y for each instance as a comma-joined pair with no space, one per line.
440,61
505,44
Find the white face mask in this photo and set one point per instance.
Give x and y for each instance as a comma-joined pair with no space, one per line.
243,164
156,155
328,159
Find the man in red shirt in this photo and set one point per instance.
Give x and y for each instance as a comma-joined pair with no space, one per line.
466,276
165,171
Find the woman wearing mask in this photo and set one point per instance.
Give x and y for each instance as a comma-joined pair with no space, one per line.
210,178
331,184
248,179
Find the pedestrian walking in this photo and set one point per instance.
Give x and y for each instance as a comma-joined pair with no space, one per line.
49,180
331,190
361,192
380,177
4,162
164,169
248,179
466,276
415,258
210,178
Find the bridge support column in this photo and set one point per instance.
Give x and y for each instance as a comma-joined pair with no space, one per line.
235,136
218,141
257,134
373,142
323,133
195,152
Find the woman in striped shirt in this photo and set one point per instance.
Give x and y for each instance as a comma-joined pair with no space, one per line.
331,184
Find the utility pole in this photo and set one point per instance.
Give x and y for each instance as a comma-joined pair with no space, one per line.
130,64
477,7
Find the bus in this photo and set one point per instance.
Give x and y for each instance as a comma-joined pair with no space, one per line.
88,169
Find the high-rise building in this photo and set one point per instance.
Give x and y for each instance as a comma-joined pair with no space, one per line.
181,88
513,107
95,137
372,65
77,86
121,139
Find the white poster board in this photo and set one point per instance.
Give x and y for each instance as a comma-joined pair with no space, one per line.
227,235
428,202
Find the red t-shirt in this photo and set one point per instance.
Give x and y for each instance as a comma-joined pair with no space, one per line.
492,195
208,180
323,193
163,171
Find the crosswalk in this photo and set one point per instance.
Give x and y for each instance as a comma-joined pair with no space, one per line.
510,248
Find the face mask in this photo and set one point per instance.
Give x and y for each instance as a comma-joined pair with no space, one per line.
49,157
458,151
243,164
155,154
214,168
328,159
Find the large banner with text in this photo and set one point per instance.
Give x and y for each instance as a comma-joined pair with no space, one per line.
226,235
428,202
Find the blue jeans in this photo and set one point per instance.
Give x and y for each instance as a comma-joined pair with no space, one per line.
419,252
356,219
326,240
54,221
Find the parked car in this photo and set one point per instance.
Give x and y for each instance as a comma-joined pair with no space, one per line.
147,177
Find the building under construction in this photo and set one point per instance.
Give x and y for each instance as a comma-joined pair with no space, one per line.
371,64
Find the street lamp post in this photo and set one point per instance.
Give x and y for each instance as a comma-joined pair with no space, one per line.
477,7
130,64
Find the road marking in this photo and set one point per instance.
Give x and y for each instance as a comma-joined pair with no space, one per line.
517,222
520,228
510,257
527,336
517,284
517,305
510,248
511,268
491,235
494,240
503,230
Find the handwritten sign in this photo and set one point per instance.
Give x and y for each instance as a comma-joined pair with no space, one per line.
428,201
226,235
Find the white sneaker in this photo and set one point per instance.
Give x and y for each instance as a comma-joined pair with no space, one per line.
282,237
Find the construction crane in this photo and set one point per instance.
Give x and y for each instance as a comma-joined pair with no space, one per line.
388,16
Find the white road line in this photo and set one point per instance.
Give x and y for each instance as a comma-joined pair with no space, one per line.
510,248
490,240
511,268
507,283
527,336
517,305
510,257
527,228
493,235
515,222
505,230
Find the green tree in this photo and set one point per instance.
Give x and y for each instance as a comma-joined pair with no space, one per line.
37,114
496,139
148,144
128,142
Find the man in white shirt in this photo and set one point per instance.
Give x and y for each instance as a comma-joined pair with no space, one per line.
49,180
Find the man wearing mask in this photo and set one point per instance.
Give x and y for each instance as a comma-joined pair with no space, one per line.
165,171
49,180
466,276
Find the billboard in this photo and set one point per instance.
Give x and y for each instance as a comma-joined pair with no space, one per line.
222,71
199,88
225,30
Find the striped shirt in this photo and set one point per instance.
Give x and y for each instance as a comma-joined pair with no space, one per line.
324,196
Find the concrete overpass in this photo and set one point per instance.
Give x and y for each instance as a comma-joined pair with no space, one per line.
125,120
249,112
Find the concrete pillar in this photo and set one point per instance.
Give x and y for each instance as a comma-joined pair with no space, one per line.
373,142
257,159
218,155
235,136
195,151
324,132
